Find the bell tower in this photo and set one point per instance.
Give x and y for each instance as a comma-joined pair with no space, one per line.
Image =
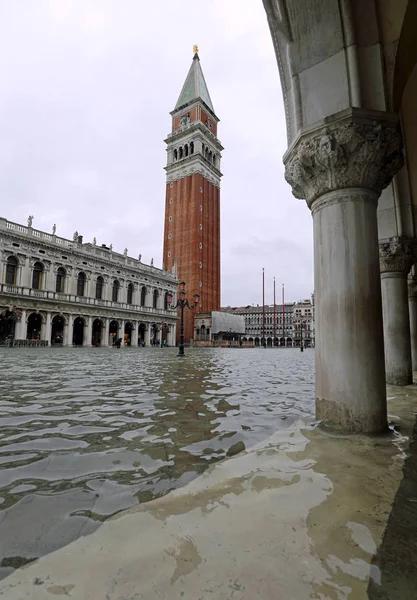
192,206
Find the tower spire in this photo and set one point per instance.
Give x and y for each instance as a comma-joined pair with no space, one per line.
195,86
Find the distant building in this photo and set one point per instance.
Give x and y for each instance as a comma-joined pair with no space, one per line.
59,291
218,328
279,326
303,323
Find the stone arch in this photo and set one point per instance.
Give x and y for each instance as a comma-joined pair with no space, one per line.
60,276
34,326
78,332
97,331
180,153
128,333
81,283
175,154
141,333
185,150
37,275
12,264
58,324
115,290
130,292
143,294
99,287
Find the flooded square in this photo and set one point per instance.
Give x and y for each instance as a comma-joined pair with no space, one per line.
86,433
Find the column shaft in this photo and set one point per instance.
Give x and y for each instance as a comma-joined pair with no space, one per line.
48,328
350,376
148,334
88,332
134,335
397,339
412,305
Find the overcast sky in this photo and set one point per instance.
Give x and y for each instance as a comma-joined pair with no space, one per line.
86,87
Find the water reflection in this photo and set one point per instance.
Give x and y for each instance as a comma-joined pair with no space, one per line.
87,433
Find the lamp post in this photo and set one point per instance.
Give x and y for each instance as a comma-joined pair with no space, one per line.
182,302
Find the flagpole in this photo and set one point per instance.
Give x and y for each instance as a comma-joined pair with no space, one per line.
263,306
283,317
275,316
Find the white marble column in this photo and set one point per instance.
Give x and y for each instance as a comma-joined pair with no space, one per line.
148,334
48,328
88,331
134,335
340,169
396,259
69,331
412,307
20,332
105,333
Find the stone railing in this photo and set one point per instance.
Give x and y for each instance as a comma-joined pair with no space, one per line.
86,248
25,292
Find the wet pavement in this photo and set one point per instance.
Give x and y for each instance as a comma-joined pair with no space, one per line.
303,513
86,433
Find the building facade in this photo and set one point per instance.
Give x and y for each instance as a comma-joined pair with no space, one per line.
59,291
289,325
192,208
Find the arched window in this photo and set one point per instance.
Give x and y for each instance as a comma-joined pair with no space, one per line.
166,301
181,152
60,280
81,284
191,147
214,159
11,270
155,298
186,150
175,154
143,296
99,287
130,293
115,292
37,276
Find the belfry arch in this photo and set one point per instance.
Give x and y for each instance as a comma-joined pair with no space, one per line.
348,78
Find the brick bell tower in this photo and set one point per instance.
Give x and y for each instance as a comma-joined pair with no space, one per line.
192,206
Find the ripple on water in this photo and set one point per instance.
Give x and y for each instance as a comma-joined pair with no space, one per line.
62,473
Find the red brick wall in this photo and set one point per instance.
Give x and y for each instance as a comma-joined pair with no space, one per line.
187,237
204,117
176,120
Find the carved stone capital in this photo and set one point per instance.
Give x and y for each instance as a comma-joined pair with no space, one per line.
396,255
351,150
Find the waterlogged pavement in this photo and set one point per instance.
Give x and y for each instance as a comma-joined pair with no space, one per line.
306,514
86,433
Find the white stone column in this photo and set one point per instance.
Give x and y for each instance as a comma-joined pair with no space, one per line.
105,333
69,331
48,328
396,259
20,332
148,334
122,330
412,307
88,331
134,335
340,169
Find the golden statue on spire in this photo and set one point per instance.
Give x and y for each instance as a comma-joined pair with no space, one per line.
195,49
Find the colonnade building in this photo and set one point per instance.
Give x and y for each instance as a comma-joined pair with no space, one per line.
60,291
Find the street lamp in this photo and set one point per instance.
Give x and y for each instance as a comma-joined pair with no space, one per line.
182,302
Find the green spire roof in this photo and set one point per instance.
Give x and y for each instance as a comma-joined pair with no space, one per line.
195,86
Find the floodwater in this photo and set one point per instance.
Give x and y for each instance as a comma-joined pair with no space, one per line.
86,433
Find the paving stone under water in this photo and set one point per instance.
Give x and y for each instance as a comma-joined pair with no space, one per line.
85,433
